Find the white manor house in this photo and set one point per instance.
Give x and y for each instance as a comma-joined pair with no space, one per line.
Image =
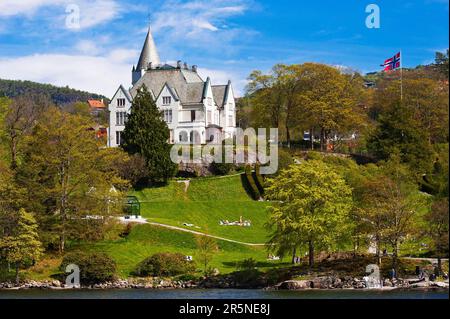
195,111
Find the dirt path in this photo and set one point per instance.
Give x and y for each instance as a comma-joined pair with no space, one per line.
145,221
202,234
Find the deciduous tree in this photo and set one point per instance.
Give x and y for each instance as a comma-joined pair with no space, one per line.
311,205
69,178
22,247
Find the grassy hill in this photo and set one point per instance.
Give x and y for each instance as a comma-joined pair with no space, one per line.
206,202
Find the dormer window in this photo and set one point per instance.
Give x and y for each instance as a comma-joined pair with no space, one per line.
167,100
120,102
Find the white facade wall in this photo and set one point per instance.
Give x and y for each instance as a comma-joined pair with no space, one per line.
182,129
120,103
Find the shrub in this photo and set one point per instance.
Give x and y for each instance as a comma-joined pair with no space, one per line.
249,278
134,169
126,230
247,264
164,264
187,277
284,159
94,267
220,168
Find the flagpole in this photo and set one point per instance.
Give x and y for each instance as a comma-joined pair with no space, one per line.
401,75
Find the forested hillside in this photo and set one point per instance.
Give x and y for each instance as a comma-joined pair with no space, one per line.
59,95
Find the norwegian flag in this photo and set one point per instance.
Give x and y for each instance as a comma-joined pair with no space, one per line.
392,63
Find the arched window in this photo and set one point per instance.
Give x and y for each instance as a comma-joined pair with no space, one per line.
183,137
194,137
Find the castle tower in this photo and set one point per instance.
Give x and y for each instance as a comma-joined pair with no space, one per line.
149,58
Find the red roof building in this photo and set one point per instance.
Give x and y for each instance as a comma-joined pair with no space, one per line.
96,104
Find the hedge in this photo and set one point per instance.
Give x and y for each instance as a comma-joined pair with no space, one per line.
254,191
259,180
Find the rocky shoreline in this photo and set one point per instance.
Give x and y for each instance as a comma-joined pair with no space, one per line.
318,283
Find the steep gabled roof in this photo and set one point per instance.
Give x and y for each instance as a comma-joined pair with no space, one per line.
125,92
148,53
219,94
171,90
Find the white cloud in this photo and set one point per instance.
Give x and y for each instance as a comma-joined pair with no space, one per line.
124,55
24,7
87,47
203,25
92,12
96,12
199,22
220,77
93,74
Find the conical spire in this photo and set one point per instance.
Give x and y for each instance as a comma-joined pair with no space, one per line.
149,53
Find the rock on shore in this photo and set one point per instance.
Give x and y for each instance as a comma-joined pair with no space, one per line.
333,282
149,283
224,282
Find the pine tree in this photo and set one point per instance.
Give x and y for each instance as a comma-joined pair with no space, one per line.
147,134
22,248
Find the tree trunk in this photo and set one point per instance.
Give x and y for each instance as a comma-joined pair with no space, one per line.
378,254
322,139
439,258
311,254
13,153
439,265
17,274
395,256
62,242
355,246
294,253
288,136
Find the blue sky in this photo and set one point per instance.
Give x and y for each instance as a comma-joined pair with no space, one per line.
227,39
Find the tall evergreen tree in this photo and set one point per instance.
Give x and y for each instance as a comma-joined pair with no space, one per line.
147,134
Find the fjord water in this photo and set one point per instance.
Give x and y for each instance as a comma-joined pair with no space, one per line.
221,294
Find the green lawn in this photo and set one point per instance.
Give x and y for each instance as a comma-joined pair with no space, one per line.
145,240
206,202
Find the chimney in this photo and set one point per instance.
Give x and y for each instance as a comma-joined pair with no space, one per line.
179,64
150,65
186,66
194,68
